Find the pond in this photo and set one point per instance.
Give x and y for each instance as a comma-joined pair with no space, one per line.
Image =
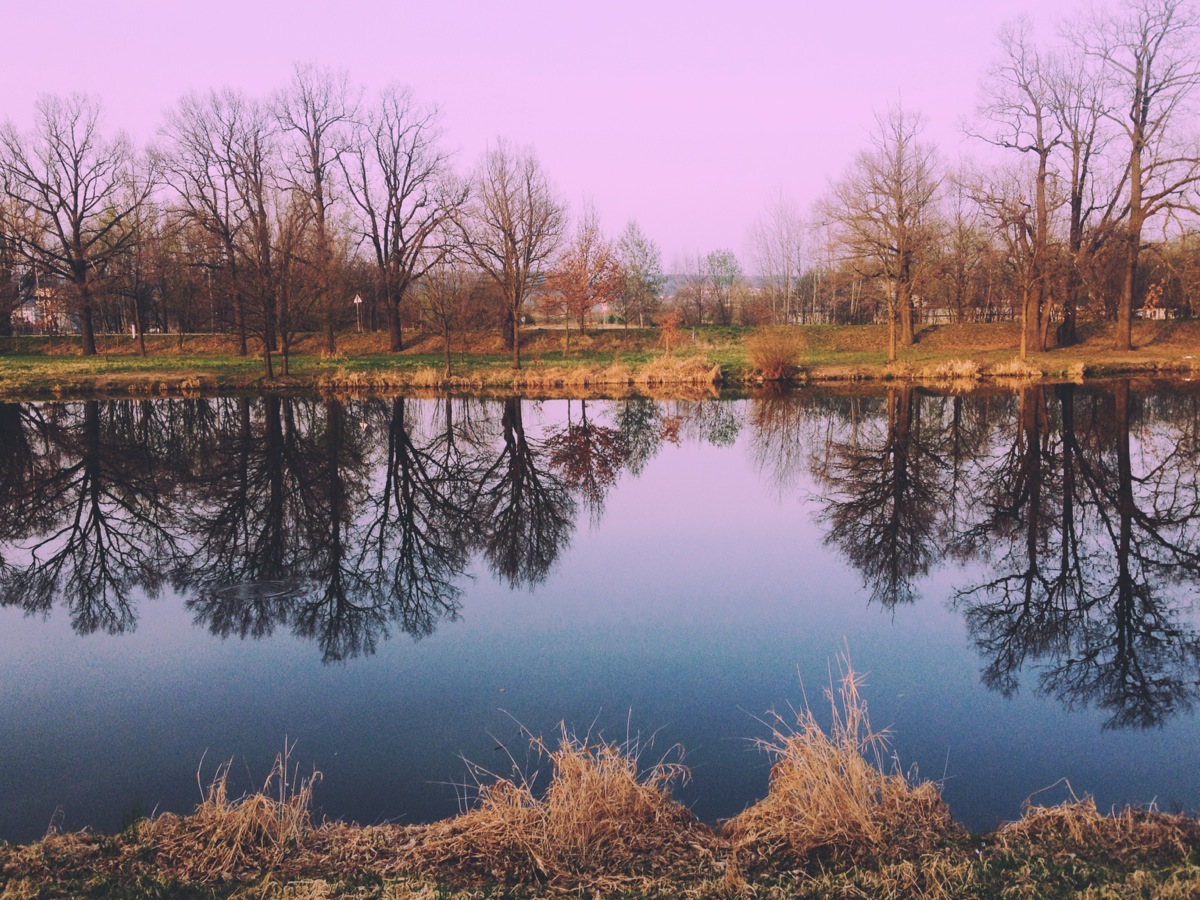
399,586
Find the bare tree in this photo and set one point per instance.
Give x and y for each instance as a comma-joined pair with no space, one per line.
201,159
778,251
1017,114
512,228
587,273
642,274
882,206
1080,107
315,111
444,295
11,225
1149,54
81,187
400,181
692,295
252,159
723,273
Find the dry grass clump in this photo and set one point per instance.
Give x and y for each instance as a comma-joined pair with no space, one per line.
669,370
954,370
603,820
1015,368
344,381
228,839
829,798
1076,829
775,353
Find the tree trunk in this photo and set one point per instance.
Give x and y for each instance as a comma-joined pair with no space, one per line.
395,327
904,303
86,328
1124,334
1133,243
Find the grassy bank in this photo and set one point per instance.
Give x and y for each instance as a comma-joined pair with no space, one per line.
608,362
838,820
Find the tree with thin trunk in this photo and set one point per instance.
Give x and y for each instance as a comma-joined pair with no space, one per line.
642,275
1149,54
201,159
881,209
11,224
778,253
444,294
1079,106
1017,114
587,273
512,227
399,179
77,184
254,159
314,113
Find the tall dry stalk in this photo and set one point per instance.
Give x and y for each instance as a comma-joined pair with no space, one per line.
829,796
227,838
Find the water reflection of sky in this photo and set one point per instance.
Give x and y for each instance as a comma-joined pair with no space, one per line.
700,599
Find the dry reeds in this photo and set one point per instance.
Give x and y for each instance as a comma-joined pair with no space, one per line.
229,839
829,798
956,370
602,819
1077,829
1015,368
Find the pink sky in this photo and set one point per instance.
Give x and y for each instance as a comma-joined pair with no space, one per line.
691,117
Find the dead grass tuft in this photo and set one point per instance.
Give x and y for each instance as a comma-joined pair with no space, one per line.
956,370
1015,368
228,839
829,798
1077,829
603,820
695,370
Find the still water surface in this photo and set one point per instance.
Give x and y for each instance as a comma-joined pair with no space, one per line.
399,585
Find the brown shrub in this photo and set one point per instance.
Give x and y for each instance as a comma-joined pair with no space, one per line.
602,820
775,353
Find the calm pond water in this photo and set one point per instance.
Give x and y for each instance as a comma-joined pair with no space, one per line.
401,585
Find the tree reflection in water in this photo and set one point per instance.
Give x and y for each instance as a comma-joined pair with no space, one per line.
347,521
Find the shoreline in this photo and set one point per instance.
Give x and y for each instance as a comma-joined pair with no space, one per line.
834,822
606,363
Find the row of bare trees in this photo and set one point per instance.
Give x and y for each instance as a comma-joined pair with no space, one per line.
1099,163
264,217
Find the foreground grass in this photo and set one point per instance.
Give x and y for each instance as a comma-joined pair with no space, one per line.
608,362
834,823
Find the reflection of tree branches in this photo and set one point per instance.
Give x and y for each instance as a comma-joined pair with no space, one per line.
782,429
884,501
524,512
1136,659
100,518
641,423
413,547
1078,588
714,422
589,456
1024,610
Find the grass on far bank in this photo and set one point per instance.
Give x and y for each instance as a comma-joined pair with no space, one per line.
608,361
838,819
